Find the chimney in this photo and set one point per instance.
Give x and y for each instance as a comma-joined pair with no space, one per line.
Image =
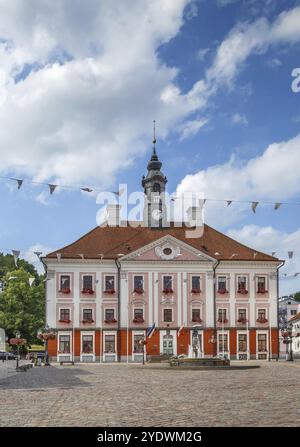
113,215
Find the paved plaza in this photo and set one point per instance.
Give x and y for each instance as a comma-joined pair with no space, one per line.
152,395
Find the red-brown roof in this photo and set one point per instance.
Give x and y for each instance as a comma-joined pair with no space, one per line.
111,241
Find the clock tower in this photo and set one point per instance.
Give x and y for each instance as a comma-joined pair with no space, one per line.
154,184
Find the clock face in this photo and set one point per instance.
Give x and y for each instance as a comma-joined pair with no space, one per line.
156,214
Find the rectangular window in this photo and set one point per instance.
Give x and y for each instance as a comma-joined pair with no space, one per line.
87,315
222,284
196,283
261,315
87,344
242,315
64,344
138,284
109,345
223,343
261,284
138,315
110,315
87,283
64,315
222,315
167,284
293,312
262,342
167,315
242,341
138,348
196,316
109,283
242,284
65,283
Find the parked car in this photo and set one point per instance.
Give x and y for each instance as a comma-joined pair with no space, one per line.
7,356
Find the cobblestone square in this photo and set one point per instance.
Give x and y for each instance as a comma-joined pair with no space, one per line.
152,395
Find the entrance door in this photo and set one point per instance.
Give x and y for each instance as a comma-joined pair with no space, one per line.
168,347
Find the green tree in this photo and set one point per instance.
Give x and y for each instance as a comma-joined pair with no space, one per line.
297,296
7,264
22,308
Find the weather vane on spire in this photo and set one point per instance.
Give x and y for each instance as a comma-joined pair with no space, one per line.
154,137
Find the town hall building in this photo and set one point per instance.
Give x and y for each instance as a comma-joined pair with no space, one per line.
121,293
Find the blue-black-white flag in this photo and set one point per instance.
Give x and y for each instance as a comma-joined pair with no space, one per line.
150,330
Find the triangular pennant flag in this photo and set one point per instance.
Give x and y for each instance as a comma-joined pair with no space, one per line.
273,253
296,274
86,189
16,254
58,255
277,205
19,182
52,188
31,280
38,253
290,254
229,202
253,206
81,255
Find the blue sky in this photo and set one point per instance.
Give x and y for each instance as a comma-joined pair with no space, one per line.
80,86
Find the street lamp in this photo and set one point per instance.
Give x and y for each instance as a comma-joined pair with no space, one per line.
17,341
45,335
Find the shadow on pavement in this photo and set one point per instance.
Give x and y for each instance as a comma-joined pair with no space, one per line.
46,377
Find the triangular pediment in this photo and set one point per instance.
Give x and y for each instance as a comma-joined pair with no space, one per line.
168,248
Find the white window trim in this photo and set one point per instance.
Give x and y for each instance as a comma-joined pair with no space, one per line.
133,354
136,306
110,307
115,281
93,280
69,333
161,339
87,308
266,332
242,275
109,354
82,354
227,281
247,352
59,280
225,332
162,316
191,280
69,308
171,276
242,308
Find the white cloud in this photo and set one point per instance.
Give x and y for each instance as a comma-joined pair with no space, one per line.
95,82
268,239
275,62
239,119
191,128
246,39
201,54
255,179
83,118
33,259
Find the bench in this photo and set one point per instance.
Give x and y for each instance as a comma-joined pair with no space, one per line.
66,361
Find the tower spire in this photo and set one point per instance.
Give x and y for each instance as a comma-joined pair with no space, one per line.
154,138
